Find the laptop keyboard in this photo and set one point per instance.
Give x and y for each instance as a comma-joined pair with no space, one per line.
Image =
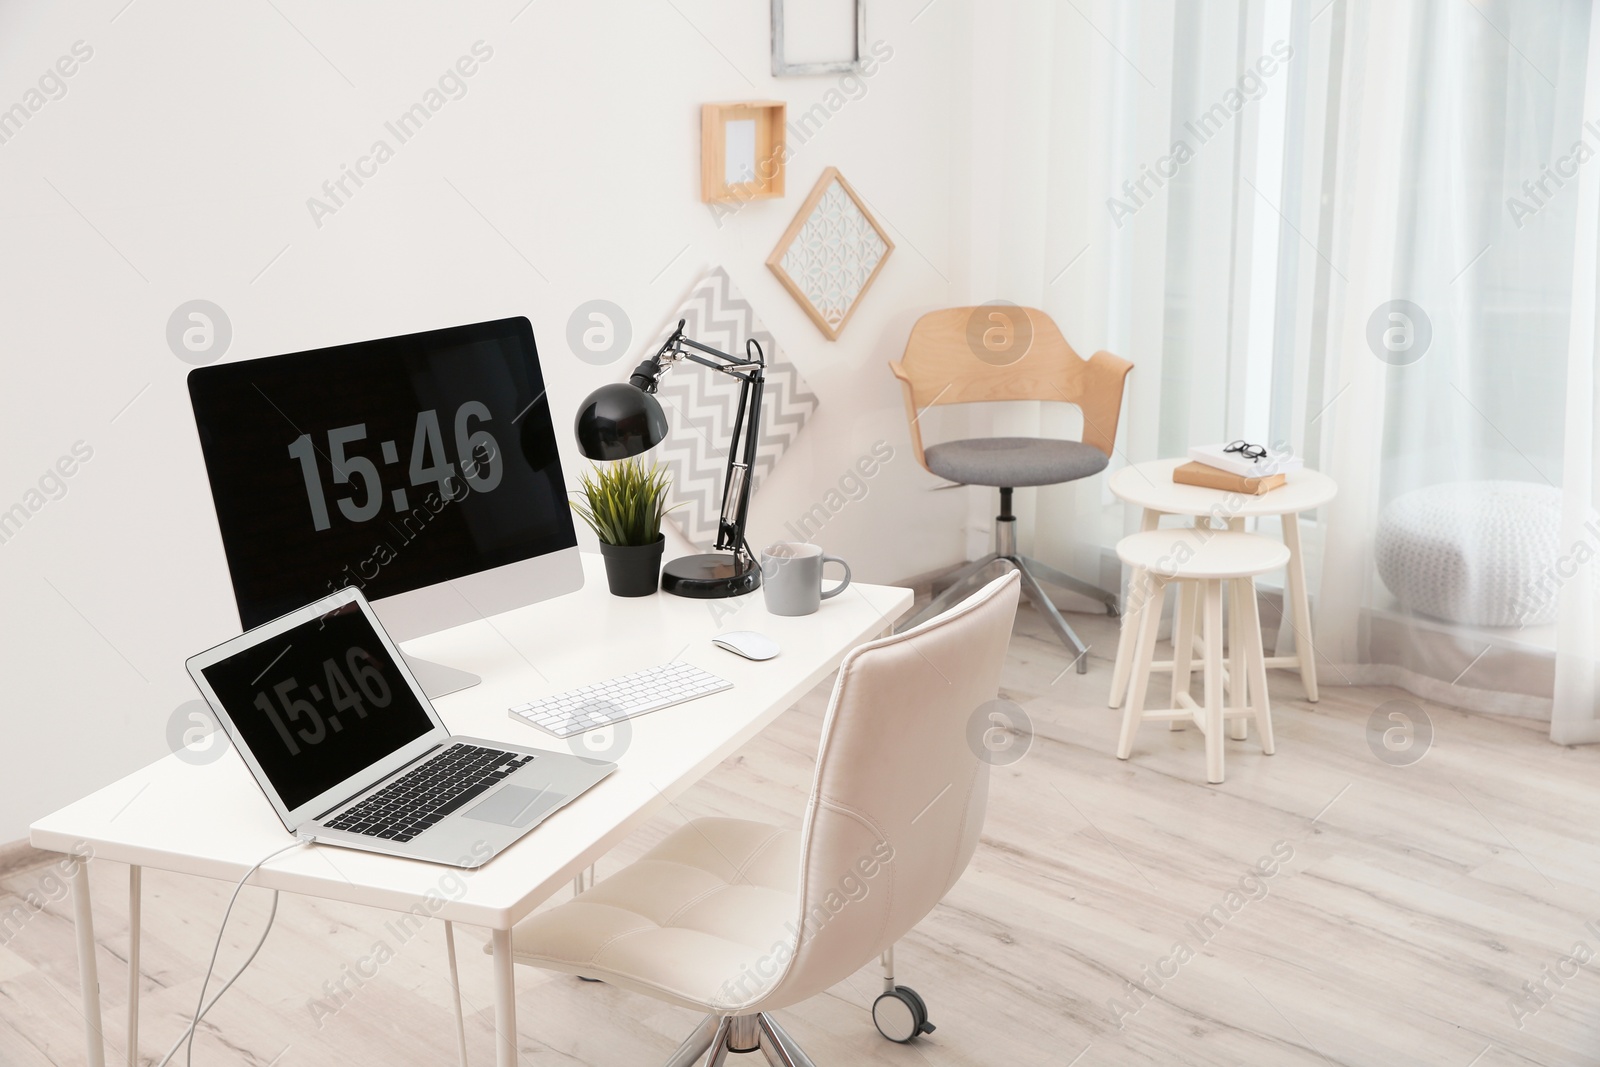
427,793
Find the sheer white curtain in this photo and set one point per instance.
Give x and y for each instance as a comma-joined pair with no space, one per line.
1451,118
1421,152
1577,694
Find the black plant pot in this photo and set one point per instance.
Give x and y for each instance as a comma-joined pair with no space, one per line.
633,570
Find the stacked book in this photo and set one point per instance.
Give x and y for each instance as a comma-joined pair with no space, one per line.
1213,467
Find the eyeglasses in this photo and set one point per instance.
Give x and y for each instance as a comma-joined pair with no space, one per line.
1247,450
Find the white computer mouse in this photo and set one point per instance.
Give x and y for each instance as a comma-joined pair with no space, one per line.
748,644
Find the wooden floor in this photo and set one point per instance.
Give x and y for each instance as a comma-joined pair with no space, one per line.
1414,904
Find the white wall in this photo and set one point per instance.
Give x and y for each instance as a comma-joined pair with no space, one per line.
177,166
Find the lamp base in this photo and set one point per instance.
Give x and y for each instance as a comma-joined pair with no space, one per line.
711,576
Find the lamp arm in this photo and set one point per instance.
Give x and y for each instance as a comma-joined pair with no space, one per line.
647,375
736,482
708,350
675,348
734,370
746,440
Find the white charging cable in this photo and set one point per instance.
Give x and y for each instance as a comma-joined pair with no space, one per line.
201,1007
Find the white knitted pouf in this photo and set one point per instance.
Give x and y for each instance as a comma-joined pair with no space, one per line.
1479,553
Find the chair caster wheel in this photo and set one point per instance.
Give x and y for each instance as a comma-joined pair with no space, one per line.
901,1015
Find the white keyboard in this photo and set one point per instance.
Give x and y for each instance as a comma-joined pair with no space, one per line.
623,697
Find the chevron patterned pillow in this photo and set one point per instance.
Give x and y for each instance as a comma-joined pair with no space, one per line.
700,404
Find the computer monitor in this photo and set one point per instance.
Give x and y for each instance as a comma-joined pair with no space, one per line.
422,468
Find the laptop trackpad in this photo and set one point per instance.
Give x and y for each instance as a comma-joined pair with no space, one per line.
514,805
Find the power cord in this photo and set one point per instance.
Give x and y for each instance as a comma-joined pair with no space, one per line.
201,1007
176,1045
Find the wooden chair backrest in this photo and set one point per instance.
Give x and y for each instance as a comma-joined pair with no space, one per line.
967,355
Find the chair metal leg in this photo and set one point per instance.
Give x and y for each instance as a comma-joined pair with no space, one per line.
952,593
1047,608
696,1043
1045,572
708,1045
695,1046
957,575
779,1047
716,1037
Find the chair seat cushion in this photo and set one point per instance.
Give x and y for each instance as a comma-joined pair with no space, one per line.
687,923
1014,461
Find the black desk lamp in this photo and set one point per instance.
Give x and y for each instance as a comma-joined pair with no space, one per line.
622,420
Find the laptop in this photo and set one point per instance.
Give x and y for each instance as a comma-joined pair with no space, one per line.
348,750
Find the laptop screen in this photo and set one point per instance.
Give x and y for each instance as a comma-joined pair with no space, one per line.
318,703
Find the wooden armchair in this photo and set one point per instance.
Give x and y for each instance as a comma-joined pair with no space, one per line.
967,355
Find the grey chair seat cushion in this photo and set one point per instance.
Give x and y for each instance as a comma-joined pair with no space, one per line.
1014,461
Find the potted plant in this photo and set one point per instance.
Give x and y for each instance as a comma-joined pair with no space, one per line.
623,503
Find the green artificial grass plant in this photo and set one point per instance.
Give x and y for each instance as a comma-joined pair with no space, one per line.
623,503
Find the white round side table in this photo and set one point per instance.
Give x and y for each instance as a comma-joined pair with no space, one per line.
1150,487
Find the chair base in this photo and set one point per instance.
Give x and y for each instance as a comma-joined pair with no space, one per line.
1005,548
715,1038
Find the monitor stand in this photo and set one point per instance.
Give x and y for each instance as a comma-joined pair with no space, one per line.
437,680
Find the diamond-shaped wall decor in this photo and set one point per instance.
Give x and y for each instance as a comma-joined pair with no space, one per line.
831,253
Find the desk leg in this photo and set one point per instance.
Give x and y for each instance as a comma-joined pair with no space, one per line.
135,880
88,975
1130,620
1304,649
505,1001
455,987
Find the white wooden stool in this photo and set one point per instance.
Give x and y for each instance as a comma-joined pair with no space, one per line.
1208,564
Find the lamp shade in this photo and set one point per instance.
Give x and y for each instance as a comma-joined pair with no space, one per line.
619,420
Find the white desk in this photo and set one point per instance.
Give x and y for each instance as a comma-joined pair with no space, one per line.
212,820
1150,486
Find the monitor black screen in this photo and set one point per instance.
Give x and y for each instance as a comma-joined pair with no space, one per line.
318,703
392,464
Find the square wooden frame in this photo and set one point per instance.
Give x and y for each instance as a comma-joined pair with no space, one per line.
770,117
775,260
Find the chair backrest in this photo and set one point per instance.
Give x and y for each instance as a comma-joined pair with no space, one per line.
900,790
968,355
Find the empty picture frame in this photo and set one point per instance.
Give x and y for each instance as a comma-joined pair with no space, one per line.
818,37
831,253
741,151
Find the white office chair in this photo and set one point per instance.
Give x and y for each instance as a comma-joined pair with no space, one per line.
737,919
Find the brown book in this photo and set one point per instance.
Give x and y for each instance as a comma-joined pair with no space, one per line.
1193,473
